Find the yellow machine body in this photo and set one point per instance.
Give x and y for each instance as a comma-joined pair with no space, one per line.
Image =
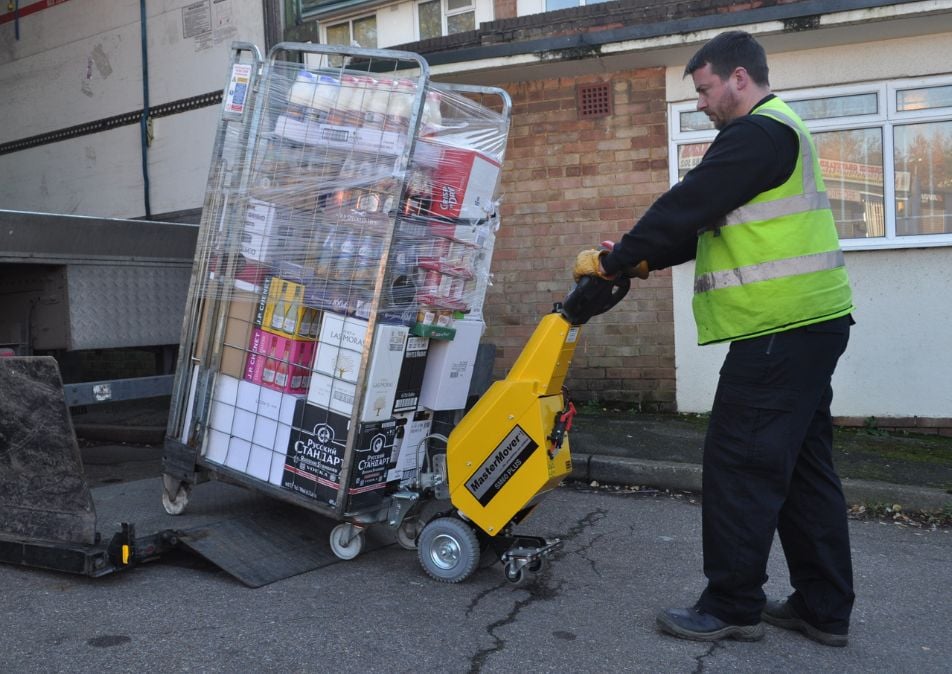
500,457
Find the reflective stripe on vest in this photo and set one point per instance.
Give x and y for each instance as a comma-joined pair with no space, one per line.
766,271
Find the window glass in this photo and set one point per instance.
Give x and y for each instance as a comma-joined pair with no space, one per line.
552,5
689,156
924,98
459,23
836,106
852,165
694,121
431,20
457,4
365,32
923,159
339,34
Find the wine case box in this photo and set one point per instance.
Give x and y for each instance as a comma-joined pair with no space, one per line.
337,367
278,362
282,310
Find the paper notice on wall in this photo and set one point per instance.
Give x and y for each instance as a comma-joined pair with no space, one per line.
196,19
209,23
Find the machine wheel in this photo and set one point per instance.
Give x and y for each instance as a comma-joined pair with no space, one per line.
174,495
448,549
347,541
515,575
407,534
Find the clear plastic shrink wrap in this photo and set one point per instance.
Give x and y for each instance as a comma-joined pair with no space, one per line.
366,199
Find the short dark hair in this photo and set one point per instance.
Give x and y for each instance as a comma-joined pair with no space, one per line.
730,50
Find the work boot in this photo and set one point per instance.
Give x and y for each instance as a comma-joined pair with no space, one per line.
780,613
695,624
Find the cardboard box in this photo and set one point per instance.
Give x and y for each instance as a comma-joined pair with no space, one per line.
260,217
449,368
278,362
332,394
282,310
341,137
315,454
409,453
464,181
215,447
373,458
383,372
239,324
407,395
345,332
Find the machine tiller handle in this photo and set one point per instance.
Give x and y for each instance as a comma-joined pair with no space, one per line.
592,296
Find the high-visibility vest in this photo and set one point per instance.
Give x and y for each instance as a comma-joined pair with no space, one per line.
774,263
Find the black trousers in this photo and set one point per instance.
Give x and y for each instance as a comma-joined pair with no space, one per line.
768,467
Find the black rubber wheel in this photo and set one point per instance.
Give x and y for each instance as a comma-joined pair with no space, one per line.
448,549
514,575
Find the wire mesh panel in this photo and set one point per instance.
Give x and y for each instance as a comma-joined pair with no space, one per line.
346,270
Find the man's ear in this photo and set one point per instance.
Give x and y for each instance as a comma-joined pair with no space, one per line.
741,78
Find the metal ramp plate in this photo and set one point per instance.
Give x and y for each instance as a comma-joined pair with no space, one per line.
267,546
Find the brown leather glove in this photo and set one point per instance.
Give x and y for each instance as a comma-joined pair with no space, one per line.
587,264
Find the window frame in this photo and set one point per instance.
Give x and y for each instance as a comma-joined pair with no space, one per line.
445,13
349,20
886,119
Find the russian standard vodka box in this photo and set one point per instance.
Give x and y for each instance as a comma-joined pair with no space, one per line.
315,453
373,457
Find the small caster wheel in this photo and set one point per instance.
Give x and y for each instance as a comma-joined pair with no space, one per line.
515,575
407,535
174,495
448,549
347,541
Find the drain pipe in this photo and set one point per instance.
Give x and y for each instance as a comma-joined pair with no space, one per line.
145,124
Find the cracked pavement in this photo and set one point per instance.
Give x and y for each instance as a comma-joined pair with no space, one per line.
625,556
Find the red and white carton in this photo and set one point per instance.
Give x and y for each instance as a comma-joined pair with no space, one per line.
464,181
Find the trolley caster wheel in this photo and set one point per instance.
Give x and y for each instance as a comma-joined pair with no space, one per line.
515,575
347,541
448,550
174,495
407,534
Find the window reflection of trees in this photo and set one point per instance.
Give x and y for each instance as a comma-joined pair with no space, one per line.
923,161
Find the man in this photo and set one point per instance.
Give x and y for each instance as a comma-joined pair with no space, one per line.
770,279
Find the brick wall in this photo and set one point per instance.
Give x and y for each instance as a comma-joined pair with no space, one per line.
504,9
568,184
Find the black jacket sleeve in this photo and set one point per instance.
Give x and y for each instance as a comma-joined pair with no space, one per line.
750,155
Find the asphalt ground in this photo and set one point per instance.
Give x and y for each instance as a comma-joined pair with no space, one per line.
625,556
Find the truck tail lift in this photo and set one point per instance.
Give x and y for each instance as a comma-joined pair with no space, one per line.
509,449
47,516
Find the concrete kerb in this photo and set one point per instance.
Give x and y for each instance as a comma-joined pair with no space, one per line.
687,477
620,470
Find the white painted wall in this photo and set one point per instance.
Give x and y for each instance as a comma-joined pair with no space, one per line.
526,7
79,62
899,361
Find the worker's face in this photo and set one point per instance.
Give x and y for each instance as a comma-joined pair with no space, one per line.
716,98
